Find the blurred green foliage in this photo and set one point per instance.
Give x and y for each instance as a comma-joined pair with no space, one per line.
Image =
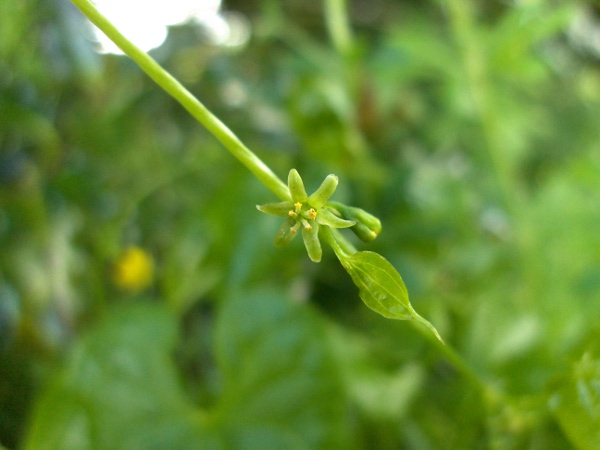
470,128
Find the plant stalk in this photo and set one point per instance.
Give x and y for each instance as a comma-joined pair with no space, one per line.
336,15
168,83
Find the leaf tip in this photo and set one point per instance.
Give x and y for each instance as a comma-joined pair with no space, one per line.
430,327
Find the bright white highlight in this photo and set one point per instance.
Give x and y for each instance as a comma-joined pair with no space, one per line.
145,22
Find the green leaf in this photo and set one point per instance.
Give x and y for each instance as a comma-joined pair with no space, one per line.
381,287
120,389
576,403
278,373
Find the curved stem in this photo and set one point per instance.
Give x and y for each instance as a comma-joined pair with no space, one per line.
453,357
187,100
336,15
340,245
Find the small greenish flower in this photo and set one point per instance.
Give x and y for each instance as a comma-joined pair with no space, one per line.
306,214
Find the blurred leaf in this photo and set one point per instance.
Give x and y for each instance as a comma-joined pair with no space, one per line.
576,401
513,38
119,389
383,392
277,374
469,127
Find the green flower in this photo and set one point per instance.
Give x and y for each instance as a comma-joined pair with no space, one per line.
306,214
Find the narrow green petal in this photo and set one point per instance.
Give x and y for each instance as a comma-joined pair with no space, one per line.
287,232
296,186
311,241
326,217
278,209
326,190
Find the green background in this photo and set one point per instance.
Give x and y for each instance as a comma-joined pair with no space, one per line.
470,128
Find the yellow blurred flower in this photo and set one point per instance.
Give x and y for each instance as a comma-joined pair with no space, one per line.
134,270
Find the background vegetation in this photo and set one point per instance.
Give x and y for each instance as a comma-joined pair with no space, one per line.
143,305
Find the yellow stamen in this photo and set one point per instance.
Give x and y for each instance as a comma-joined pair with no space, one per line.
312,213
292,214
292,230
307,226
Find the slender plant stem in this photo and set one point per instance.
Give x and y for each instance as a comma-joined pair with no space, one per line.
502,162
492,395
336,15
187,100
342,39
340,245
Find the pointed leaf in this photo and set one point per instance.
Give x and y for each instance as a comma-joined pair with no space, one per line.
381,287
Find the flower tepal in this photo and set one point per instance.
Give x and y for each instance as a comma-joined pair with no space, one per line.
306,214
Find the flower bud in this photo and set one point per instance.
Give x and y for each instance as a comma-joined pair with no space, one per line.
367,226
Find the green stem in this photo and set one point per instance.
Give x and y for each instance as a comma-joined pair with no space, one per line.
340,245
336,15
341,36
468,38
492,395
502,161
337,242
187,100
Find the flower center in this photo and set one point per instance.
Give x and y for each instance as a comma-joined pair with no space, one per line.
302,216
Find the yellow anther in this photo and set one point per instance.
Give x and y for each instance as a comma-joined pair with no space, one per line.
298,208
292,214
307,226
312,213
292,230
